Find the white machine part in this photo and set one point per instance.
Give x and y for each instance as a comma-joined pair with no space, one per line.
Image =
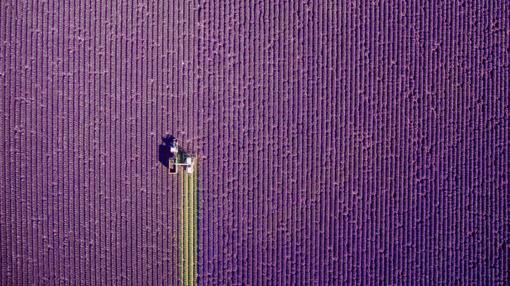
189,165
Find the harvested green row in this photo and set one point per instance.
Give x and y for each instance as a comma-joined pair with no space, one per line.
188,231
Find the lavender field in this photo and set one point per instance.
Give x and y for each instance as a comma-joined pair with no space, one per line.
340,142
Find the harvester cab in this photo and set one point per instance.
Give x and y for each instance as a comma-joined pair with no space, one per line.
179,158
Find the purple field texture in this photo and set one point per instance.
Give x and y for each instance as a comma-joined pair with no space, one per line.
340,142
